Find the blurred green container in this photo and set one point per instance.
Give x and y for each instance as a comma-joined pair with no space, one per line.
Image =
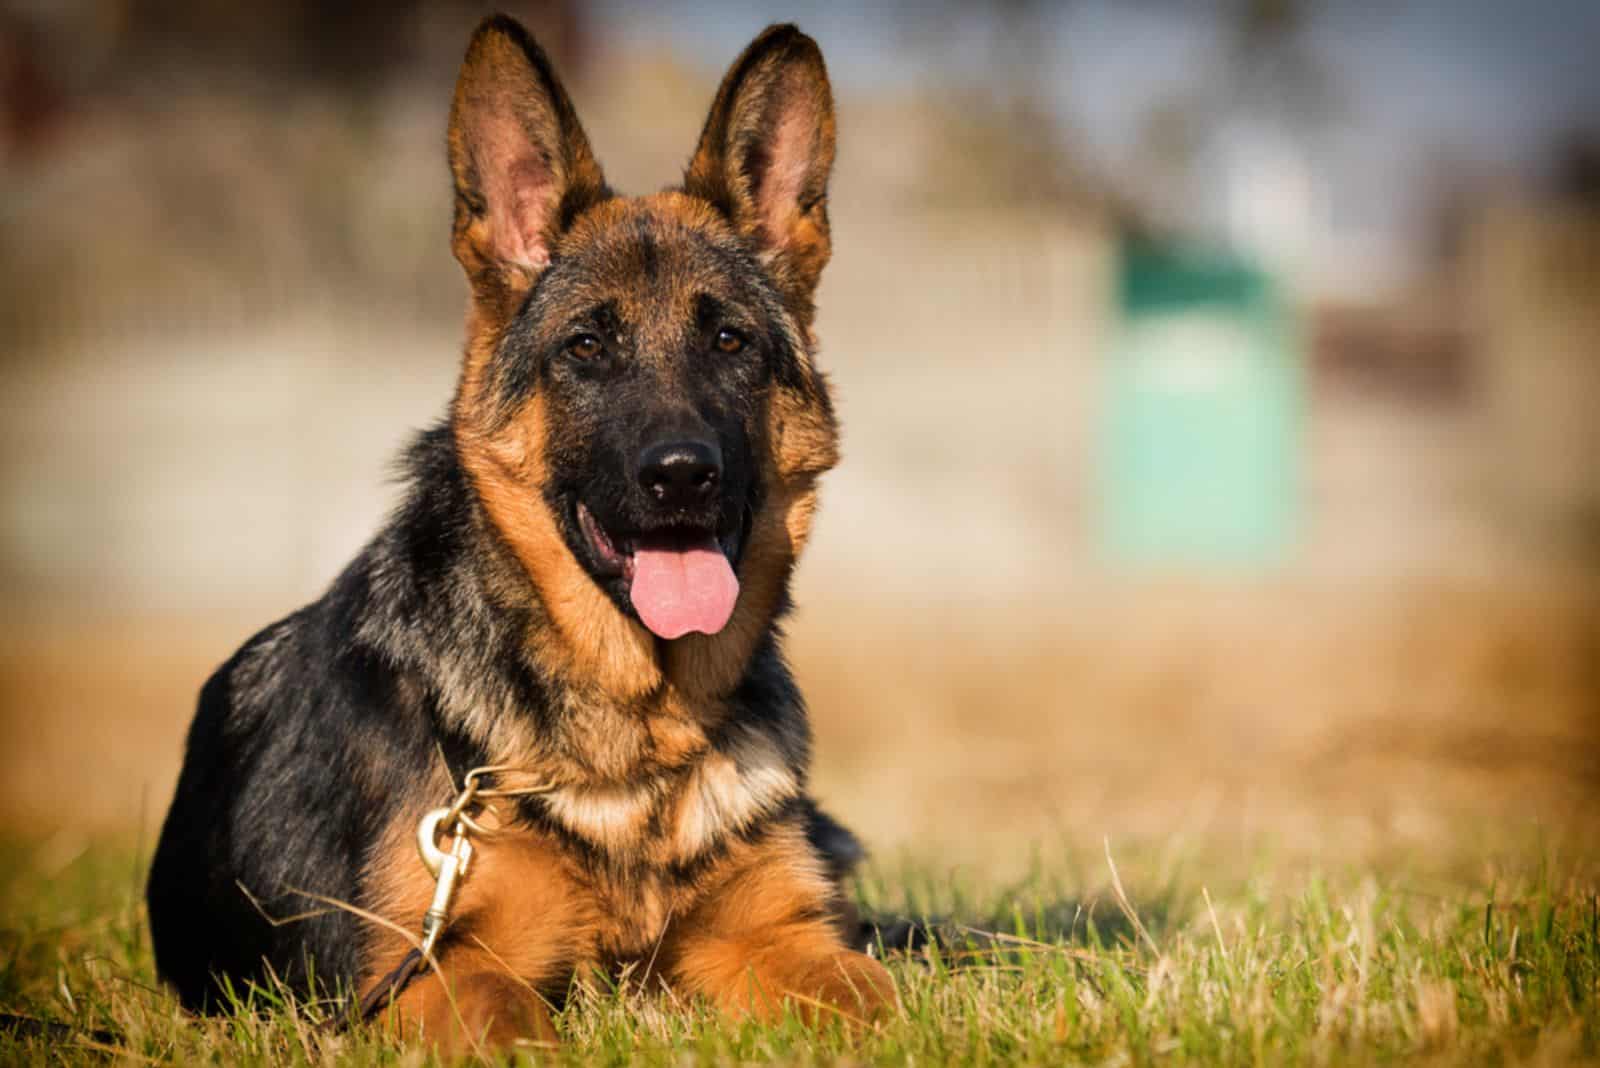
1201,449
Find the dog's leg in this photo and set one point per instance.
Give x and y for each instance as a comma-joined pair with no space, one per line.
519,925
470,1006
766,937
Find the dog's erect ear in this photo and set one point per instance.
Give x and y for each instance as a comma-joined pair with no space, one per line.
765,155
521,163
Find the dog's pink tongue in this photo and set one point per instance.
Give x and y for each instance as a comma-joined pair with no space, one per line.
679,590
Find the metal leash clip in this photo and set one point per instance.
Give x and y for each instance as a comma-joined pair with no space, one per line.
447,868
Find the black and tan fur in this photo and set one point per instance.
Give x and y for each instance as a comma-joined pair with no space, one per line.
477,627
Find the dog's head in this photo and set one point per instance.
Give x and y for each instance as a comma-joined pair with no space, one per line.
638,407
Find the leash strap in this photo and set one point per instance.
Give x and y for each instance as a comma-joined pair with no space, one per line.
390,986
383,992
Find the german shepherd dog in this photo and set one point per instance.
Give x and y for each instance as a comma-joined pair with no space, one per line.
581,589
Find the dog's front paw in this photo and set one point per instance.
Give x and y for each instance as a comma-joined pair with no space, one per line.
480,1013
820,981
848,983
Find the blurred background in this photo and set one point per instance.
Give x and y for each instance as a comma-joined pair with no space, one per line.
1220,381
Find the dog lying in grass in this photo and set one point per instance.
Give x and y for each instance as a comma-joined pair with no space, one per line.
581,592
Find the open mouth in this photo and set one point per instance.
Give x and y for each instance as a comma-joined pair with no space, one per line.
679,580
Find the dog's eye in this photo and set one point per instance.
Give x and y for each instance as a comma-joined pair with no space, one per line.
585,346
729,341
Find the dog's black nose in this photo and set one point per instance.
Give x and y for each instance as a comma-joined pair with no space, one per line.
681,474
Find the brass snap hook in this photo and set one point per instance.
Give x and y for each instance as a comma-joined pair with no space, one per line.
433,857
446,868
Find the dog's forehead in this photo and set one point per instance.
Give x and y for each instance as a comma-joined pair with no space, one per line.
653,257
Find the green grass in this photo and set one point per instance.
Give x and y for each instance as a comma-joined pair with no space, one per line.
1232,959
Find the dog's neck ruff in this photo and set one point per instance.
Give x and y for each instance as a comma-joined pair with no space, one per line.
680,814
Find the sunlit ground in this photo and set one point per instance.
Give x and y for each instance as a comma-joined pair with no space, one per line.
1350,826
